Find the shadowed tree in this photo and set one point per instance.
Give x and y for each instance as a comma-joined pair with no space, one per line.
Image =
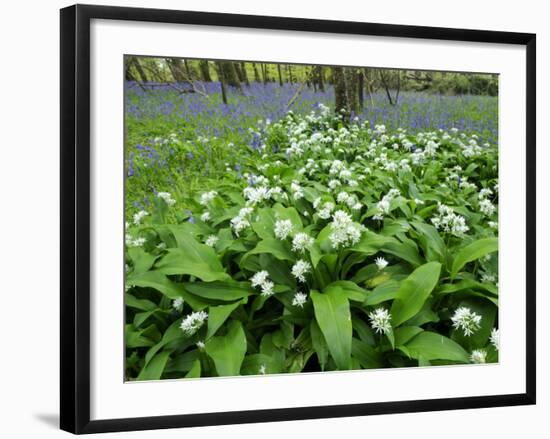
256,74
176,69
205,71
244,74
139,69
391,80
320,78
221,78
230,74
280,74
345,90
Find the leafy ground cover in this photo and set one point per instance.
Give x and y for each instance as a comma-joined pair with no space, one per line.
265,240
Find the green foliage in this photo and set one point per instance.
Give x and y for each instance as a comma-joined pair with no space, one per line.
337,245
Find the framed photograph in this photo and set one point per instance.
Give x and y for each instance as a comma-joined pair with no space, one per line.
273,218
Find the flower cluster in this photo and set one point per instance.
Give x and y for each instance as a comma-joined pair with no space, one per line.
193,322
448,221
261,279
467,320
344,232
380,320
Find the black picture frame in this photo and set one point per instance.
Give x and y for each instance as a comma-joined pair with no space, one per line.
75,217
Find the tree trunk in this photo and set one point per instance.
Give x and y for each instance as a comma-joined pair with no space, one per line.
280,75
230,74
244,74
176,69
139,69
256,74
221,77
360,88
289,70
205,71
345,91
320,79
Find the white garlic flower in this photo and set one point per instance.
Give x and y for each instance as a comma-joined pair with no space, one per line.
495,338
167,197
139,216
212,240
283,228
177,304
380,320
299,269
301,242
381,263
478,356
467,320
205,216
299,299
207,197
259,278
193,322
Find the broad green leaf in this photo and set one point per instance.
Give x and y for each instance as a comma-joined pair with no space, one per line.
265,225
367,356
319,344
288,213
406,251
473,251
228,351
371,243
153,370
224,291
141,304
467,284
431,241
333,316
350,289
414,291
405,333
277,248
158,281
194,259
141,260
195,371
431,346
135,338
217,315
383,292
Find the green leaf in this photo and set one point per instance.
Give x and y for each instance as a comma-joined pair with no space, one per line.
289,213
158,281
275,247
467,284
383,292
371,243
153,370
473,251
431,241
319,344
333,316
404,250
225,291
265,225
195,371
431,346
414,291
194,259
350,289
217,315
141,260
405,333
228,351
141,304
367,356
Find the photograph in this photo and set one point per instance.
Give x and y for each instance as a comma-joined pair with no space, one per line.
297,218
